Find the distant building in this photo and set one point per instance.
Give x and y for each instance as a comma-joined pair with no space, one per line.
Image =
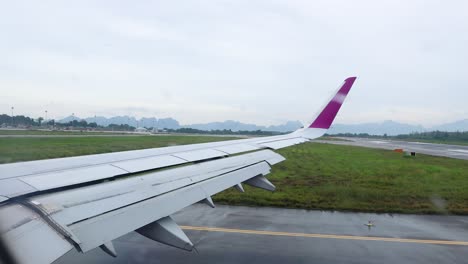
141,130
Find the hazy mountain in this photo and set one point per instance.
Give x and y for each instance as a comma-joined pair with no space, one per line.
68,119
118,120
460,125
388,127
160,123
174,124
237,126
132,121
229,124
289,126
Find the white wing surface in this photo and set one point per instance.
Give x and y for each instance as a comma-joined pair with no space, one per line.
88,201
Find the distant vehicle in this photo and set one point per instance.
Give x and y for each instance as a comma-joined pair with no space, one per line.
87,201
141,130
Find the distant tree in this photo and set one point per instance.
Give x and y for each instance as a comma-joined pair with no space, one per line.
93,125
51,122
82,123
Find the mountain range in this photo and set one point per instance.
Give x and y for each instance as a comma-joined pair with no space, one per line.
378,128
393,128
171,123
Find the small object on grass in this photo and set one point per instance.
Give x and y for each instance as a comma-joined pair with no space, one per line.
398,150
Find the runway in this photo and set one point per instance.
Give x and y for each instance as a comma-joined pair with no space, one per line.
443,150
234,234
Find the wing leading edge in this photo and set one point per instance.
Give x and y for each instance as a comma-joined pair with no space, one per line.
86,202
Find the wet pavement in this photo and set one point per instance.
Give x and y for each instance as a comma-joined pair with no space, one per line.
272,235
444,150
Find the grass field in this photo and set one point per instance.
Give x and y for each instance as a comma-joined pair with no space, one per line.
58,132
314,176
23,149
336,177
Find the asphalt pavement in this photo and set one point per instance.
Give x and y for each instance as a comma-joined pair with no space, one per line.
235,234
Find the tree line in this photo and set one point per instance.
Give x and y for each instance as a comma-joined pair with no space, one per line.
432,135
437,135
24,121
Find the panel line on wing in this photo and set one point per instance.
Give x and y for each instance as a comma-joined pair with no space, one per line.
119,167
172,190
60,229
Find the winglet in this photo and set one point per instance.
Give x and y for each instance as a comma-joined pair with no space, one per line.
328,114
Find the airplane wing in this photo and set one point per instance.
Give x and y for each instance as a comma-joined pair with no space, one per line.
48,207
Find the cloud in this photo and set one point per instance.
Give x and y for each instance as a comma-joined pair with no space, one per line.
261,62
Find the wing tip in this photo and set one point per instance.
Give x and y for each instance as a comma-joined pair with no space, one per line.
328,114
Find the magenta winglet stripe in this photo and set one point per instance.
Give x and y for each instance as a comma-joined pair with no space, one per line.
328,114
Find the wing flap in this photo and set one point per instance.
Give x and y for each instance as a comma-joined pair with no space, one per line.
26,231
51,180
14,187
106,227
95,220
99,213
197,155
143,164
70,206
237,148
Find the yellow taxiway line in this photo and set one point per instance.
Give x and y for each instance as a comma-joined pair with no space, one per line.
345,237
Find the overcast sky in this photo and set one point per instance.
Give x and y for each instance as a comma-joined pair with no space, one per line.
262,62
